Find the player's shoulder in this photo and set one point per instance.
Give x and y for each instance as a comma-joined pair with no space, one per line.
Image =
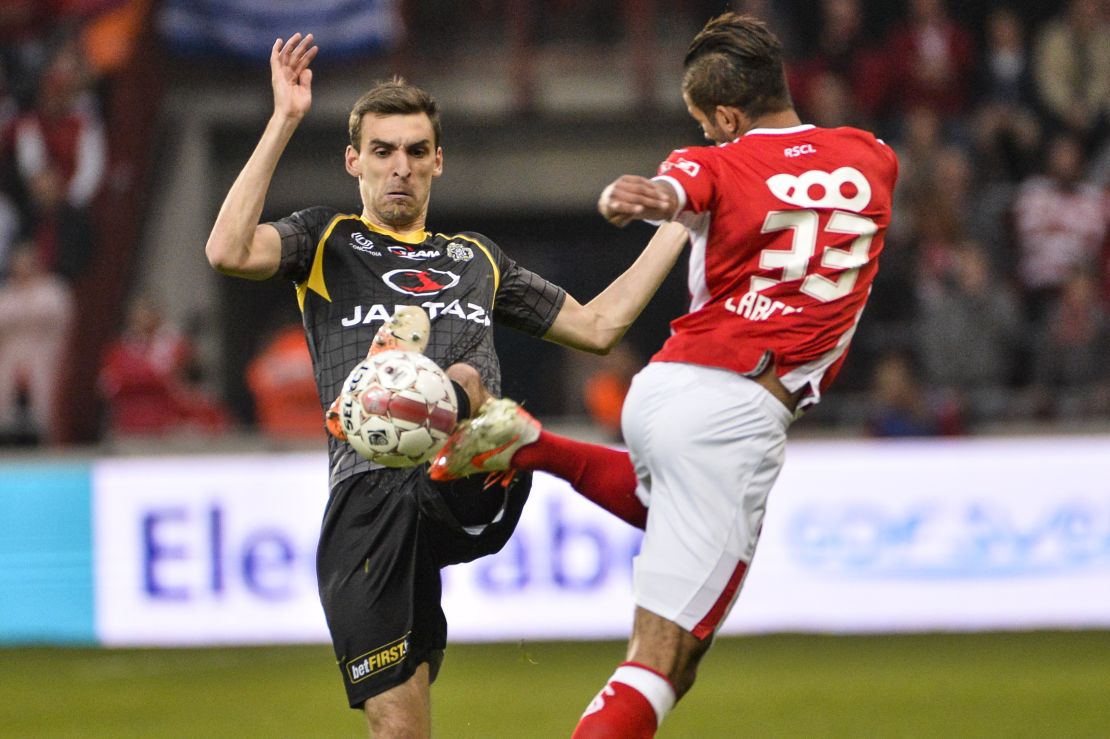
689,159
317,217
862,148
851,136
324,212
472,237
462,245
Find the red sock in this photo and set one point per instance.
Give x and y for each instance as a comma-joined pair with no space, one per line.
630,706
600,474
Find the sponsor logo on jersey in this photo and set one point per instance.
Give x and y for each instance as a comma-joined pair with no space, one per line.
400,250
359,242
758,307
378,659
799,150
466,311
460,252
420,281
690,168
845,188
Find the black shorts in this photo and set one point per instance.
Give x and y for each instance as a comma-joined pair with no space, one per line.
386,534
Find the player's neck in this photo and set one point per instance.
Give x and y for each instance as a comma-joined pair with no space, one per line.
779,119
412,229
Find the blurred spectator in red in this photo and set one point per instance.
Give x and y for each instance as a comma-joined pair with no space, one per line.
969,331
1071,367
144,380
61,154
280,378
605,388
931,59
1007,132
36,310
1072,70
1061,224
847,51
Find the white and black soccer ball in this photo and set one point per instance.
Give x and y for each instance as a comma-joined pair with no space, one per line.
397,408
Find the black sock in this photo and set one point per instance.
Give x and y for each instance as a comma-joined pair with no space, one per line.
462,400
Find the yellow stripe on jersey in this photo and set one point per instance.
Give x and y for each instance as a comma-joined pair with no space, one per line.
492,261
315,281
415,237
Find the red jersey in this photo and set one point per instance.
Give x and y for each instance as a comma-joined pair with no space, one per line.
786,226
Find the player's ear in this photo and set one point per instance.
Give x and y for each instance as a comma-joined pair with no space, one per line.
350,161
730,120
438,169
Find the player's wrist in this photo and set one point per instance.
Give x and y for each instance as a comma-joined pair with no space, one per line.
287,118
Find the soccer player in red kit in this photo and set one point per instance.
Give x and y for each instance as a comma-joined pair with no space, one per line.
786,225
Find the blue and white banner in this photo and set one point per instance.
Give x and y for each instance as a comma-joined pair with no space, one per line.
247,28
860,536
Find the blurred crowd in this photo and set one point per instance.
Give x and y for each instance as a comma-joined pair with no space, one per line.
991,304
55,58
992,301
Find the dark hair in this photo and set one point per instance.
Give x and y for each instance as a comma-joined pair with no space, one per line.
394,97
737,61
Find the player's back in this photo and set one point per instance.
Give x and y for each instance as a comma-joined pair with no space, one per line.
785,247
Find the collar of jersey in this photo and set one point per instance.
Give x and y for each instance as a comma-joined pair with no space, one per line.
416,237
780,131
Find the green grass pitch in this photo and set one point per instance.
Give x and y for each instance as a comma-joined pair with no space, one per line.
1040,684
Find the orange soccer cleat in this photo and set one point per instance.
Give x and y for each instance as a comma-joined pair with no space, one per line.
487,442
332,422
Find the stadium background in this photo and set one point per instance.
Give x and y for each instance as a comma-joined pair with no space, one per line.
544,102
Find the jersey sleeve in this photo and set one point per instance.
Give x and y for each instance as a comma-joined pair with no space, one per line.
689,172
300,234
524,301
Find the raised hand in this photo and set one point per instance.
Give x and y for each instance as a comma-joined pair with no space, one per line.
290,76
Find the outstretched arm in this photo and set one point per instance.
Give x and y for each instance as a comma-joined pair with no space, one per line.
600,324
239,245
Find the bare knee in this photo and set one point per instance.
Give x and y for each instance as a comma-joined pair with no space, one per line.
471,382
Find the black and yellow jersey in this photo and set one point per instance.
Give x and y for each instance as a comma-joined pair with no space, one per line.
350,275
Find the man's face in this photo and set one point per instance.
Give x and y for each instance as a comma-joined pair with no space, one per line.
709,126
395,167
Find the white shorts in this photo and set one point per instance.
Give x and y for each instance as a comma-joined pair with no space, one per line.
707,445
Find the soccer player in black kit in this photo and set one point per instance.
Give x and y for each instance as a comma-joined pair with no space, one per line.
387,532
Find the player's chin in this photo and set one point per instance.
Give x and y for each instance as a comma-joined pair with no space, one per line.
397,211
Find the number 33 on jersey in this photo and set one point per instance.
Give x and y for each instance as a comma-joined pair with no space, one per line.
786,230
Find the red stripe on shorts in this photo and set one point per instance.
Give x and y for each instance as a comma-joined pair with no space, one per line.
708,625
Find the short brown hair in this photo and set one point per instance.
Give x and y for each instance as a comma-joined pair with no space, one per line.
737,61
393,97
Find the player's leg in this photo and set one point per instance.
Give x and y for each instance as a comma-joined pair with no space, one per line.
403,712
380,590
707,445
659,669
504,436
470,391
